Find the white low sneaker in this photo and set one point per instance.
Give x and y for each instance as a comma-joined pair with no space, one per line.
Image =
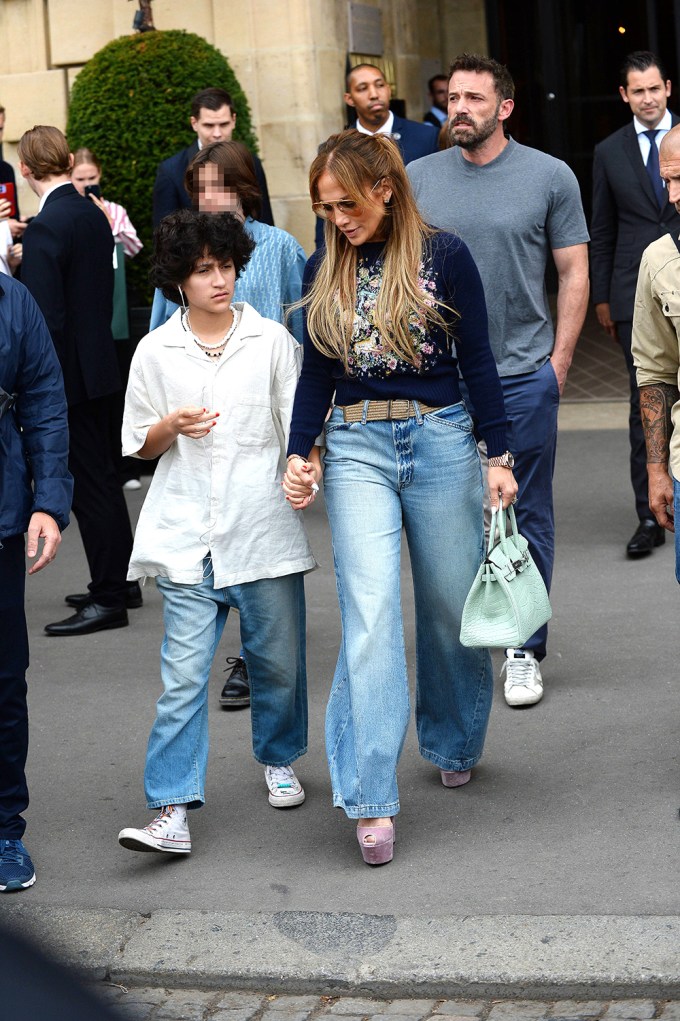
523,681
285,790
169,833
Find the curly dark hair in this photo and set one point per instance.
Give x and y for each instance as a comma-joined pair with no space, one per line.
184,237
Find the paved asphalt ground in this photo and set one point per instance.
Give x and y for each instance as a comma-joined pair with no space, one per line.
553,874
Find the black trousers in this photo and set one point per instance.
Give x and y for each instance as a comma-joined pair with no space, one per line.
98,501
636,436
13,707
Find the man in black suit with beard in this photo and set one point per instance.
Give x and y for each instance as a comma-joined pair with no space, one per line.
68,268
213,118
630,211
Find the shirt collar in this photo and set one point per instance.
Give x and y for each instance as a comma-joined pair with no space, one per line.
665,124
46,194
386,129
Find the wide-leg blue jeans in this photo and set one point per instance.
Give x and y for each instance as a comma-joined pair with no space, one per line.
422,474
272,623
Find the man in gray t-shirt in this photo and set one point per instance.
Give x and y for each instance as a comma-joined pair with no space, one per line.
513,205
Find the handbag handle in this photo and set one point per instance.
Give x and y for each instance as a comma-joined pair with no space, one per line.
499,522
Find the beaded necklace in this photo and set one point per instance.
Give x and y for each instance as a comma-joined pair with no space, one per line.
212,350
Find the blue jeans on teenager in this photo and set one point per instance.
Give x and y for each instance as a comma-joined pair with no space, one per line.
272,621
422,473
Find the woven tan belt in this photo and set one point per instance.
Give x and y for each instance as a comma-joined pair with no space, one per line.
382,411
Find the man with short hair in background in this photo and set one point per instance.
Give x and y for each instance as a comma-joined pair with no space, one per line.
438,89
514,206
630,211
213,118
68,268
369,94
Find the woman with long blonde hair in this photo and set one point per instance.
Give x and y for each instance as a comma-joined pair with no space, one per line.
393,310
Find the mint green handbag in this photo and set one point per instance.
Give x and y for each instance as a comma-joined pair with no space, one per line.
508,600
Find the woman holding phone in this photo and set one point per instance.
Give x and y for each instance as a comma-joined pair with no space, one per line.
86,178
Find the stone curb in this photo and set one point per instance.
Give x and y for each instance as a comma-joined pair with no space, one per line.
378,955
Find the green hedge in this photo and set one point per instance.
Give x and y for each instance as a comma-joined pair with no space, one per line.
130,106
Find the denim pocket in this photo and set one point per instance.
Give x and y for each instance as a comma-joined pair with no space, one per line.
339,427
336,422
455,416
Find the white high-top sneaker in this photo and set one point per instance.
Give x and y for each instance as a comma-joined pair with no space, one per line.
169,832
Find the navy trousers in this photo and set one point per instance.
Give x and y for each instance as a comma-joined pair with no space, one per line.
13,707
531,405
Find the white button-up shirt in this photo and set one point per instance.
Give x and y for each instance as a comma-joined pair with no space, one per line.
220,494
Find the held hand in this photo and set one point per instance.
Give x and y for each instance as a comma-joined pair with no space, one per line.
604,318
192,421
5,207
501,483
42,526
299,481
660,486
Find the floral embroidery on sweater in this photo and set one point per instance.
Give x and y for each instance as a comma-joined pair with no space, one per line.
369,357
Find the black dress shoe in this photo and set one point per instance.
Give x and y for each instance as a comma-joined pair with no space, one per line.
133,597
647,535
236,690
90,618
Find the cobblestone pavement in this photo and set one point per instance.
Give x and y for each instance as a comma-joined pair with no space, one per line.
140,1004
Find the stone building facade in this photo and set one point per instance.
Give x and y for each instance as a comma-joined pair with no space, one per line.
289,56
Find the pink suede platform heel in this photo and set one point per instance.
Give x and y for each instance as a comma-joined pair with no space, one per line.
451,778
380,852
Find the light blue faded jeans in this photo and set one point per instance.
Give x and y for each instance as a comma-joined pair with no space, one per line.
272,622
424,474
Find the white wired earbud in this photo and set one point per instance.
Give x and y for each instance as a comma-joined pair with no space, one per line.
181,296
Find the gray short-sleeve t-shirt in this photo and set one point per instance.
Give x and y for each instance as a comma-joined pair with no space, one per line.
511,213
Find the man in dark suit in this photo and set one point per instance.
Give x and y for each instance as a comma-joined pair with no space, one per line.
369,94
68,267
213,118
630,210
438,88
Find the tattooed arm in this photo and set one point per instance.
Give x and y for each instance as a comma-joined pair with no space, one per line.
656,402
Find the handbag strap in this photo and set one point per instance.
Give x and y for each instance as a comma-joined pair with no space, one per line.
499,523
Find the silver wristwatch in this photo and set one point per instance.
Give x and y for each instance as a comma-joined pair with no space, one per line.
505,460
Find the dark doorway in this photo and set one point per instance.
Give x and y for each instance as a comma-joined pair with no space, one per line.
564,56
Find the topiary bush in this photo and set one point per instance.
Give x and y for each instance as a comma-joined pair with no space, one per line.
130,106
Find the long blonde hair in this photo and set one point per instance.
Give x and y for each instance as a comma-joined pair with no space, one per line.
357,162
